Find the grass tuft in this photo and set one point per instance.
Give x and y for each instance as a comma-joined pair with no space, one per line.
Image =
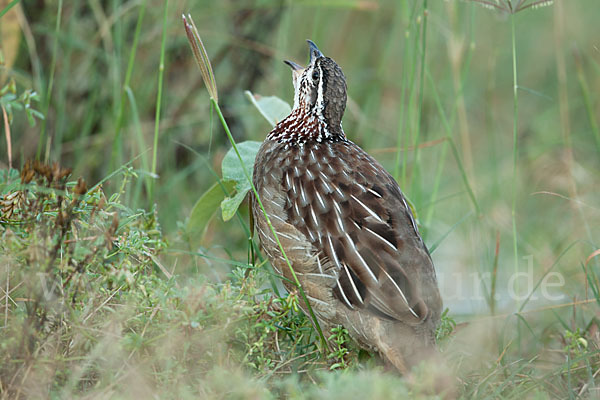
494,140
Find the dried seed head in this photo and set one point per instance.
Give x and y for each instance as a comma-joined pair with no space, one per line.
27,172
512,6
60,218
42,170
55,171
114,225
63,173
201,56
81,188
109,235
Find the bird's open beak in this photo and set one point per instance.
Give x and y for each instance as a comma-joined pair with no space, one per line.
293,65
297,69
314,51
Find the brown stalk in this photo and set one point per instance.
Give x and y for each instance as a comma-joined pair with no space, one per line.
201,56
8,139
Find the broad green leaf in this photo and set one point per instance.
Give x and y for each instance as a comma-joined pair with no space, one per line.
272,107
205,208
230,205
232,171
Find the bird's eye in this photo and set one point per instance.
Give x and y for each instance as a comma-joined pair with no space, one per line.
315,75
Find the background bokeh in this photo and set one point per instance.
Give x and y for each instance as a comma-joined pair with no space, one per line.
467,74
437,109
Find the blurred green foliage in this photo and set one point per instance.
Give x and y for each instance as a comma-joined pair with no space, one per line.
430,95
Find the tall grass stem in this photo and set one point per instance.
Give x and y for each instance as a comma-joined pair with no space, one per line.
8,7
161,72
419,116
515,152
46,104
117,148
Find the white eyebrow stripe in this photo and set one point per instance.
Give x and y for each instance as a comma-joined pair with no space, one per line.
401,293
384,240
320,100
344,295
345,267
367,209
362,260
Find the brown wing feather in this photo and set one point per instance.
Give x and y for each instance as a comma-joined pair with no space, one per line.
362,223
355,216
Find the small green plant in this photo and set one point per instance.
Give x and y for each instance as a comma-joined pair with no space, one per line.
576,345
579,366
274,330
576,342
11,100
340,340
445,328
67,252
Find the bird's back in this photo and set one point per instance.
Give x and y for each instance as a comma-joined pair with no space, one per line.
349,234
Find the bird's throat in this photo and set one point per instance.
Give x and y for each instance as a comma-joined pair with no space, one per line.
304,125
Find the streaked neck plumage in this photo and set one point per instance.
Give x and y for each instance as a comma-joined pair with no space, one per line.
304,125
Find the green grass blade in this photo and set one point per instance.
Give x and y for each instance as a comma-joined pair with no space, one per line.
117,146
8,7
48,97
161,72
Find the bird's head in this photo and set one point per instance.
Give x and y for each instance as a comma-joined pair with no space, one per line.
320,88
